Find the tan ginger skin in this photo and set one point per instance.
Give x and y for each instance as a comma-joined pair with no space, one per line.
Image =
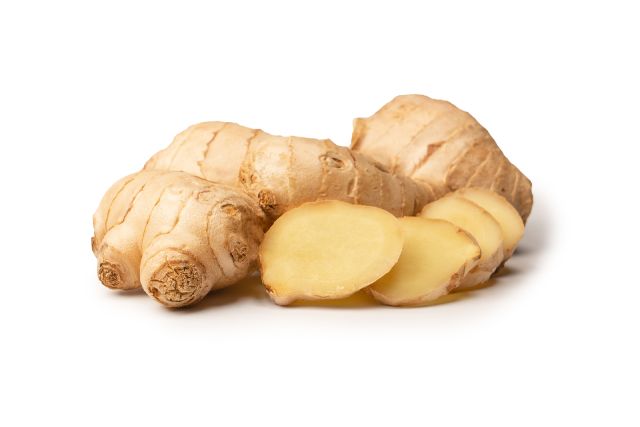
176,235
440,147
285,172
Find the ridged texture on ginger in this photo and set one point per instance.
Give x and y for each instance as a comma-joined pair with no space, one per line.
176,235
440,147
284,172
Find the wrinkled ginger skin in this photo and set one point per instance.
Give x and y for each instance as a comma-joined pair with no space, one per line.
440,147
284,172
176,235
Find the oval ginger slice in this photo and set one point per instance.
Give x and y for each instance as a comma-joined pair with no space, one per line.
328,250
477,222
435,258
507,216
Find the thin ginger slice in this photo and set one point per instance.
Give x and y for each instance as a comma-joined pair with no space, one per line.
328,250
435,258
507,216
477,222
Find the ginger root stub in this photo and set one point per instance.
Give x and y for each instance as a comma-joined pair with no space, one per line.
176,235
328,250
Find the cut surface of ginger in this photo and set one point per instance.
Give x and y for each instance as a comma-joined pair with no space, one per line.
477,222
435,258
507,216
328,250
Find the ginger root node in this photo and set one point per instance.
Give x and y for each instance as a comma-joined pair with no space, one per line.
109,275
267,200
175,282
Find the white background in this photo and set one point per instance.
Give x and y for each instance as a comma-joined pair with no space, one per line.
89,91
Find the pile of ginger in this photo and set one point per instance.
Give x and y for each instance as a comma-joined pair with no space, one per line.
424,203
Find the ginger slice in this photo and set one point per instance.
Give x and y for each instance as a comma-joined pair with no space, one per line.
328,250
477,222
502,211
435,258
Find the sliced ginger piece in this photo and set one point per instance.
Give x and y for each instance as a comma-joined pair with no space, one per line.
477,222
502,211
436,256
328,250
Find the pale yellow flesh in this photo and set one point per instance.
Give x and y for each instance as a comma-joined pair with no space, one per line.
507,216
477,222
328,250
434,259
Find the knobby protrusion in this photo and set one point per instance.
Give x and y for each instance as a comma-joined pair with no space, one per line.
238,250
267,201
176,282
110,275
332,160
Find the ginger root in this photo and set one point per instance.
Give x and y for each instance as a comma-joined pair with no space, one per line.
192,220
440,147
284,172
479,224
436,257
176,235
328,250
